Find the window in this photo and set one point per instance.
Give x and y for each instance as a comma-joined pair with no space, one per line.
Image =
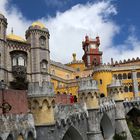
130,89
20,61
129,75
101,81
44,64
115,76
125,89
120,76
42,42
124,76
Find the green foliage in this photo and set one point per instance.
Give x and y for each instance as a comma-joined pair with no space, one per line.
135,130
120,136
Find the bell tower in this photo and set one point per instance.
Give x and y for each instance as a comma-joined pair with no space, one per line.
92,56
38,36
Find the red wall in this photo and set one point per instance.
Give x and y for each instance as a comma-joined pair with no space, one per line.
17,99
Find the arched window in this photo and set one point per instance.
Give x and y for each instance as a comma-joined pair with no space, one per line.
44,64
129,75
125,89
101,81
138,74
130,89
42,42
120,76
20,61
124,76
115,76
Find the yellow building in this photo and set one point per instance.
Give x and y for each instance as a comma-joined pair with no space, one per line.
66,76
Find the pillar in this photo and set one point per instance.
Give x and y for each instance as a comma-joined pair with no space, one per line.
120,120
135,83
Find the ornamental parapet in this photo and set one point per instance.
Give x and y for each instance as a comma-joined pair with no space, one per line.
102,68
87,84
16,124
68,114
35,90
106,104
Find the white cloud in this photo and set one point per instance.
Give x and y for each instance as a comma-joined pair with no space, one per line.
68,29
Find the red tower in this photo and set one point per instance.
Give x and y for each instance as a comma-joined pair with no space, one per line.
92,56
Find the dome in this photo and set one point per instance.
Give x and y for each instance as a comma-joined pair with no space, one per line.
15,37
37,23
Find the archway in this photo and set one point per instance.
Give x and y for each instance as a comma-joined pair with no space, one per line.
10,137
30,136
72,134
106,127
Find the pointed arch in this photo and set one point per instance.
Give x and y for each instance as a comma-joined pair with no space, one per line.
10,137
106,127
45,104
36,104
30,136
20,137
72,134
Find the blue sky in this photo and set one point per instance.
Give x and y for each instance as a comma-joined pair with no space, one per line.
115,21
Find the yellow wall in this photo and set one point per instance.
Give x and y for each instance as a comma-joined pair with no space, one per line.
62,73
75,65
106,77
42,110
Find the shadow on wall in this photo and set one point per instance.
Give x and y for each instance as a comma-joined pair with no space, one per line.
72,134
106,127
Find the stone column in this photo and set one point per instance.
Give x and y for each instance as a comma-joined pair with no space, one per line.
135,83
94,132
120,121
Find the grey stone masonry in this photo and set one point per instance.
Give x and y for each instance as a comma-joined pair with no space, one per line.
87,84
47,89
17,124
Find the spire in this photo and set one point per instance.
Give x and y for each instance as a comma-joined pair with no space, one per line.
74,57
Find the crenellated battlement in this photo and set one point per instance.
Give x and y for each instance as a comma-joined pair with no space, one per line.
35,90
125,61
88,84
102,68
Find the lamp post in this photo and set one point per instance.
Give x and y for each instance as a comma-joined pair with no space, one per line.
6,107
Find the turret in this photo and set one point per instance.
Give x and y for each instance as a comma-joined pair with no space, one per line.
41,102
38,36
115,90
103,75
3,27
88,93
92,56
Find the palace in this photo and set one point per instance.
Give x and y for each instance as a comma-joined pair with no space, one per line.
35,82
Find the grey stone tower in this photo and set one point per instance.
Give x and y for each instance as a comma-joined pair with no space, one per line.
38,36
3,27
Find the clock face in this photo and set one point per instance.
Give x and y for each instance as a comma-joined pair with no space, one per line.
93,46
